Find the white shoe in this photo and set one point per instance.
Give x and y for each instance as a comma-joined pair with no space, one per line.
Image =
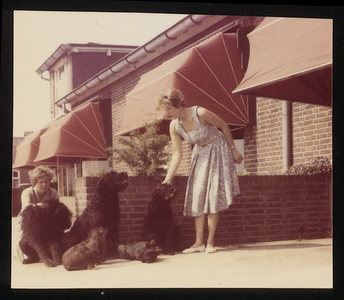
210,250
194,250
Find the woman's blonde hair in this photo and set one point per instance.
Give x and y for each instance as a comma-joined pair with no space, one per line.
40,172
173,97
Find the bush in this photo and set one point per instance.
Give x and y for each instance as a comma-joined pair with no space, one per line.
100,173
316,165
243,172
145,154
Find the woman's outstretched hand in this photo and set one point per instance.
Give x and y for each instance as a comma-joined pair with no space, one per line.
237,156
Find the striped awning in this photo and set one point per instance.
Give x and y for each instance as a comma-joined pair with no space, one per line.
205,73
290,59
77,135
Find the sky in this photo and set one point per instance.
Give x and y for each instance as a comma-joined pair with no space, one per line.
37,34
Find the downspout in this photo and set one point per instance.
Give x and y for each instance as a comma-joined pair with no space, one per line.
287,128
42,77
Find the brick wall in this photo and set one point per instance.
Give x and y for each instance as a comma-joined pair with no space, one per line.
264,148
269,208
85,187
312,127
312,136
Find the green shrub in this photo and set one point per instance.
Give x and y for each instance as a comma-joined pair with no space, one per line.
100,173
145,154
317,165
243,172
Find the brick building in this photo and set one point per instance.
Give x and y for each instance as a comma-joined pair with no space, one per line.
308,131
311,136
118,70
117,80
262,139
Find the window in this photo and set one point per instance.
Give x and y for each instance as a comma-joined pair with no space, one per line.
66,179
61,70
60,80
15,179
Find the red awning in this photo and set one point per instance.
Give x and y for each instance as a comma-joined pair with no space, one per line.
206,74
79,134
290,59
27,150
76,135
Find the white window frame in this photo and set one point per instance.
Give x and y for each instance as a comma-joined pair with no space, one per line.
15,178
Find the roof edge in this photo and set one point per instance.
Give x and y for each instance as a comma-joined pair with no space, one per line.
136,55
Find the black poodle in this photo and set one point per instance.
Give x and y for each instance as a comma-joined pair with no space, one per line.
43,229
158,220
101,210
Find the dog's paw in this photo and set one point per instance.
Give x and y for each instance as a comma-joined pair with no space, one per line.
50,263
92,267
29,261
57,260
168,251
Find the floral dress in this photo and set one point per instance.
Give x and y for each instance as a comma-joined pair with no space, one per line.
213,181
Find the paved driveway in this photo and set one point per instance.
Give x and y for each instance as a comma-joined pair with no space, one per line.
285,264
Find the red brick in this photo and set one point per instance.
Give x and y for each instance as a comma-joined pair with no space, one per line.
276,227
264,209
256,222
256,211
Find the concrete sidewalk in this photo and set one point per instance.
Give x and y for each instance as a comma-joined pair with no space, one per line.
285,264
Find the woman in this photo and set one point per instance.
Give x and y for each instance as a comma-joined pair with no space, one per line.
212,181
40,190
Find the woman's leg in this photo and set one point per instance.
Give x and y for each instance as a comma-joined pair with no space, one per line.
212,224
199,226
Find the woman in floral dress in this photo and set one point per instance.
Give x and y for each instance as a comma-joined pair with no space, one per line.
212,182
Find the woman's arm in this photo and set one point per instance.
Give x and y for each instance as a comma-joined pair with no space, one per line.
176,153
207,116
54,194
25,198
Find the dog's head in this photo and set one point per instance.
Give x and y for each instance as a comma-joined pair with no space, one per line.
98,234
164,192
113,182
150,253
50,203
61,215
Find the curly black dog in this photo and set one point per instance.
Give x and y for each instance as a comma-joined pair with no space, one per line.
88,254
158,220
101,210
43,229
146,252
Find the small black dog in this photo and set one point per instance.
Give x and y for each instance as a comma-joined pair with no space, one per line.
43,229
86,255
101,210
158,220
146,252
